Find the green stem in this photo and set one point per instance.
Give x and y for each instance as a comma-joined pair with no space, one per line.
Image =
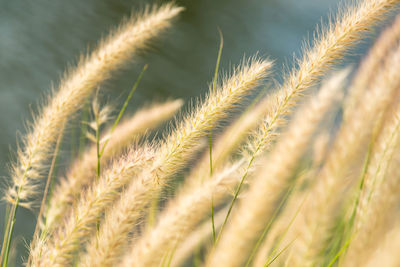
10,226
98,149
171,256
259,145
340,252
124,107
213,219
268,226
197,258
10,232
270,259
280,252
6,227
46,190
234,199
221,45
212,198
362,183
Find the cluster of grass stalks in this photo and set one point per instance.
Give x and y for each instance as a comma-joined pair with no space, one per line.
305,176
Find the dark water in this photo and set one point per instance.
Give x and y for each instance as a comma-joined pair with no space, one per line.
38,39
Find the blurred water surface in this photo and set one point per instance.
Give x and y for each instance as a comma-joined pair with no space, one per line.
39,39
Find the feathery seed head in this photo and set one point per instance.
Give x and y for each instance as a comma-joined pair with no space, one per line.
272,179
228,94
74,90
171,155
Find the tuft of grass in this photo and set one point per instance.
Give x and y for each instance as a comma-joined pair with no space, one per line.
301,193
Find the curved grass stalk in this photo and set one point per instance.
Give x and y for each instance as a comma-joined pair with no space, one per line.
330,47
99,151
366,72
82,171
45,193
60,248
272,179
171,155
221,45
353,135
182,214
372,206
73,91
320,149
268,226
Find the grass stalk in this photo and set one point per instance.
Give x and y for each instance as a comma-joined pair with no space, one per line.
121,112
221,45
46,190
266,188
171,157
83,170
10,232
7,223
337,197
269,224
268,263
98,149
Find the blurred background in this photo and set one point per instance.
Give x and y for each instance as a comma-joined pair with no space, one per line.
39,39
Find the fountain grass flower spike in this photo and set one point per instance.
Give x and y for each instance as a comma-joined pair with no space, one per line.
77,85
